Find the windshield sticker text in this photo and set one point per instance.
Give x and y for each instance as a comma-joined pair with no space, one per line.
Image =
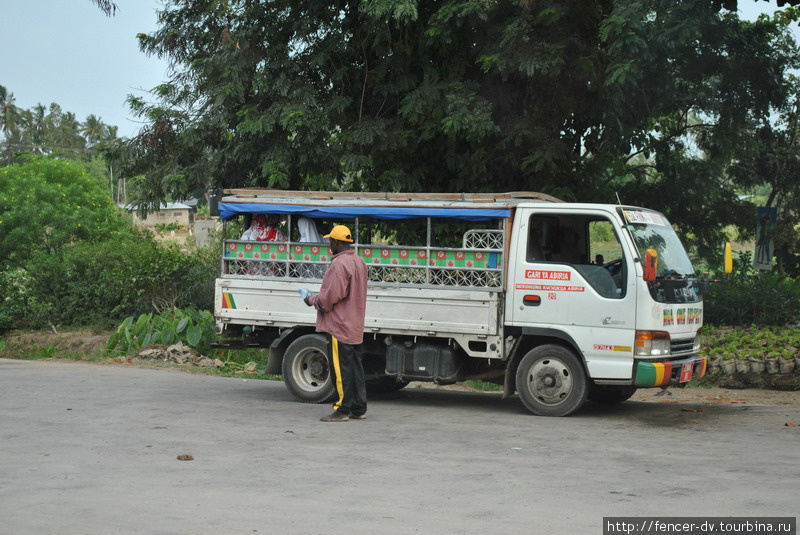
548,275
635,216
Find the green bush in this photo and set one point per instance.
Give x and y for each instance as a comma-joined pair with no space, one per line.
47,204
748,297
102,283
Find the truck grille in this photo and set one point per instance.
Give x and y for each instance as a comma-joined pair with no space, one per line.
682,347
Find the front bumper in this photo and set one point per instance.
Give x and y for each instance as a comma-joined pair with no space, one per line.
666,373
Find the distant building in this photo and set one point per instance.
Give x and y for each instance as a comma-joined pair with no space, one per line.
171,212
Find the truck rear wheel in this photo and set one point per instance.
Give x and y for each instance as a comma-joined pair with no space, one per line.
306,371
551,381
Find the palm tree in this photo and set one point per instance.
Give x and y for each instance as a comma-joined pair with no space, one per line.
34,129
94,130
9,113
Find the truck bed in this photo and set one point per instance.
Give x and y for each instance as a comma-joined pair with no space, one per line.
457,312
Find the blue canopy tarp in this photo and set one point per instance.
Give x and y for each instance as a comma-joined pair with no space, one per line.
229,210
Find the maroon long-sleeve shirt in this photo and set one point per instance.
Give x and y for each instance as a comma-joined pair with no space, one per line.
342,301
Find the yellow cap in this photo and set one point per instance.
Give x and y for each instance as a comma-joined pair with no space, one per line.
340,233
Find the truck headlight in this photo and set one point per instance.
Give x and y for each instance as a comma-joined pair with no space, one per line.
698,342
651,344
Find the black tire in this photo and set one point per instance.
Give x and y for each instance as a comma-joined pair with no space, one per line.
384,385
610,395
306,371
551,381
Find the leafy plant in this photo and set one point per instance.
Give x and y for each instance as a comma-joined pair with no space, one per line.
748,297
195,328
167,227
751,342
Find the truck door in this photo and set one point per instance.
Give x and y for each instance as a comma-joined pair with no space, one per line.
571,275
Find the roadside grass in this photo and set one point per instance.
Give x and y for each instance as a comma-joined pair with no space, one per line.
483,385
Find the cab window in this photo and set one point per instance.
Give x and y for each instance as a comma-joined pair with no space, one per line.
588,244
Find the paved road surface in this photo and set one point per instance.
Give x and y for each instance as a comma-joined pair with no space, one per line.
89,449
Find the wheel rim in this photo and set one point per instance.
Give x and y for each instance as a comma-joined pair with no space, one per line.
310,369
550,381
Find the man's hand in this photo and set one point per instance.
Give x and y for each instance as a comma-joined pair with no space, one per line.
306,295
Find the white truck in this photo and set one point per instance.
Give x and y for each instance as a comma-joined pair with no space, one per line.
559,302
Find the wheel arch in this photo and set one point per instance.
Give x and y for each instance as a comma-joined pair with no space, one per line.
531,337
277,348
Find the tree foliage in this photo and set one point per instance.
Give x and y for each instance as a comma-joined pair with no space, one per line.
46,204
648,99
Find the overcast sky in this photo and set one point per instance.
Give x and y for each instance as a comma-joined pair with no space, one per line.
69,52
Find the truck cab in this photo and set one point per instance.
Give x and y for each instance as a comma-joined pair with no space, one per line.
552,300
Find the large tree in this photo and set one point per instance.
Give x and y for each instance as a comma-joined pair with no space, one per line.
582,99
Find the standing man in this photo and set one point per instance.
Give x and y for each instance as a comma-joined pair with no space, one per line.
341,304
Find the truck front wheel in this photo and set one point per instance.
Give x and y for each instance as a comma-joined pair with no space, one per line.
306,371
551,381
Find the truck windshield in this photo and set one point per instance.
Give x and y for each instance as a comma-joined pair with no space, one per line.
676,281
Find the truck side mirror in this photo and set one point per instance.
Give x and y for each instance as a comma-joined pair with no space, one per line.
728,266
650,265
